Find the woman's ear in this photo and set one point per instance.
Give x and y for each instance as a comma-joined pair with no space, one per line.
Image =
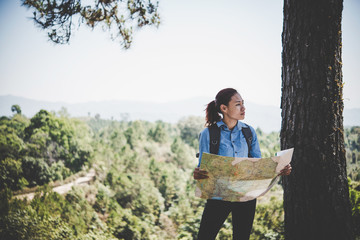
223,108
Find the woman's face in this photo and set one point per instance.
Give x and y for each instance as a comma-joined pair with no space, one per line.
235,109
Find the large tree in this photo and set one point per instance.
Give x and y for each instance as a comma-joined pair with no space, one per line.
316,198
119,17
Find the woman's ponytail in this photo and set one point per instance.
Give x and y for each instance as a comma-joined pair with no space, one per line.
212,114
213,108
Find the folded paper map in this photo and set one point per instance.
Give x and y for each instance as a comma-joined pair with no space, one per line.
240,179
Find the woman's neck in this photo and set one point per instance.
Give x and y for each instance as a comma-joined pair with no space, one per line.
230,123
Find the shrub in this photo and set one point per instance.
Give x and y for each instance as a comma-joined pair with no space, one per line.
269,221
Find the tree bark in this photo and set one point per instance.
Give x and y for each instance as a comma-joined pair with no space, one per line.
316,195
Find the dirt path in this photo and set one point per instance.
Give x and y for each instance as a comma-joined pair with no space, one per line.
64,188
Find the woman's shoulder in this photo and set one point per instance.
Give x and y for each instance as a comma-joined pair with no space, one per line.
204,135
245,125
204,131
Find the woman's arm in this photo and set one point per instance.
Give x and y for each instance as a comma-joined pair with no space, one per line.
204,146
204,143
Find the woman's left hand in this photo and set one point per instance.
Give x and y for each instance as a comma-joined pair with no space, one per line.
286,170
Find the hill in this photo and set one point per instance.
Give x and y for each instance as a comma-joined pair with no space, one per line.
268,118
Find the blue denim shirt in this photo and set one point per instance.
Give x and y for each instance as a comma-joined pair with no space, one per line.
232,142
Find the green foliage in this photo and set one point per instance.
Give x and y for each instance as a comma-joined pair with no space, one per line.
79,214
354,194
58,171
146,176
125,225
104,197
11,152
42,149
352,136
36,171
269,143
58,137
25,222
11,143
159,134
98,124
5,196
51,216
138,194
352,147
183,154
11,174
144,187
134,133
190,228
58,17
16,109
169,181
190,128
26,225
269,221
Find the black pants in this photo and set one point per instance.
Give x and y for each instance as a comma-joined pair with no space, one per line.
216,212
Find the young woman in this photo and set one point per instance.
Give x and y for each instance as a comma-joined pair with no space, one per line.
226,111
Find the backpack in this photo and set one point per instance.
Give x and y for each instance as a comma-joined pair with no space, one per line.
214,132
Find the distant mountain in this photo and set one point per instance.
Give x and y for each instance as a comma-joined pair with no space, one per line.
268,118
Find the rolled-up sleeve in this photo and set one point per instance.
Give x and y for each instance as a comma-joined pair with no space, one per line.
204,145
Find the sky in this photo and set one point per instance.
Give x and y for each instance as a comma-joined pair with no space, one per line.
199,48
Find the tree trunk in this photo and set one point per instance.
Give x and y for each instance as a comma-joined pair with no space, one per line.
316,195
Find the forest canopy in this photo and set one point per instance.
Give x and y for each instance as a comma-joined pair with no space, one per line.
143,187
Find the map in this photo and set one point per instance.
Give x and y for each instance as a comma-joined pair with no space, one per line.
240,179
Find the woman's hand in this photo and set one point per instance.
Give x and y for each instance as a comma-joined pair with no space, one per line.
286,170
200,174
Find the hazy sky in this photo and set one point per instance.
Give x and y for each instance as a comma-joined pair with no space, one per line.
201,47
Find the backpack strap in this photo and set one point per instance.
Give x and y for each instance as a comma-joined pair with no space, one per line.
214,132
248,136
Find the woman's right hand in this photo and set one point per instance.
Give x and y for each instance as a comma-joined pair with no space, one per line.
200,174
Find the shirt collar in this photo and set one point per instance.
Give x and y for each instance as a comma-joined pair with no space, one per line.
239,125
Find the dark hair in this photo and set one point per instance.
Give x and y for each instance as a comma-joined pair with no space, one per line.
213,107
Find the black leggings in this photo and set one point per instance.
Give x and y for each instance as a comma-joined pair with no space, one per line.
216,212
